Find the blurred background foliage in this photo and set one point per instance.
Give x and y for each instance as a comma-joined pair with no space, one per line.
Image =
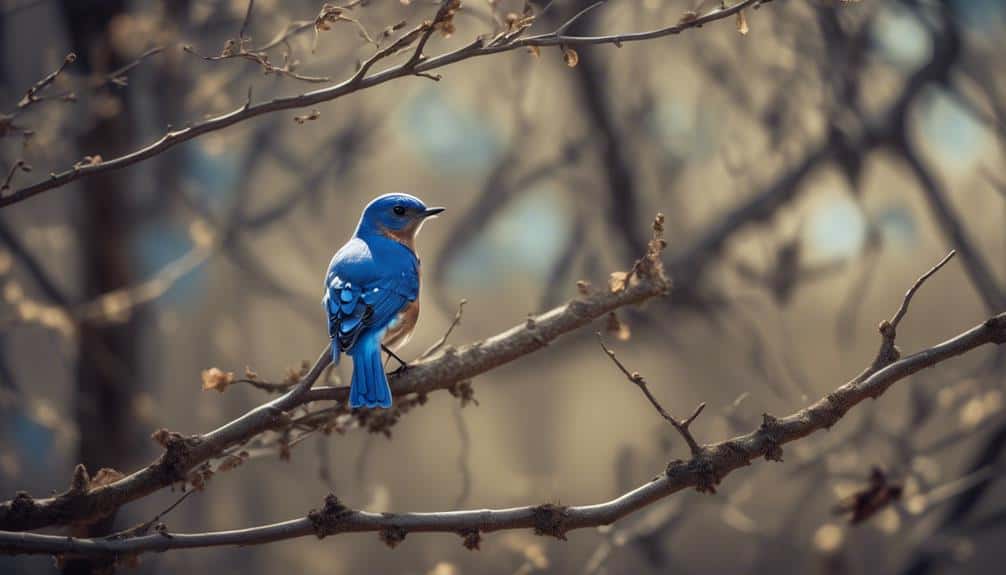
809,169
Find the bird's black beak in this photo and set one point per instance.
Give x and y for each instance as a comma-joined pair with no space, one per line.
432,212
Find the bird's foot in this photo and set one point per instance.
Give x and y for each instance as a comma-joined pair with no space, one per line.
402,364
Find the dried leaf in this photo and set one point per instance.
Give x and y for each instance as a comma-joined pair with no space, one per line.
742,23
88,161
215,378
616,327
570,56
863,504
689,16
314,115
105,476
534,51
616,281
232,461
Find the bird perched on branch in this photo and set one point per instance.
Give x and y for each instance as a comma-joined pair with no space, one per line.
372,292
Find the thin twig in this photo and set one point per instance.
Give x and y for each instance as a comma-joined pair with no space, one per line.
144,528
18,165
719,460
247,19
900,314
262,59
464,456
32,95
118,77
636,378
565,26
443,340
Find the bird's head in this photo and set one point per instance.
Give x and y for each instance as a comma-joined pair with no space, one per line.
398,216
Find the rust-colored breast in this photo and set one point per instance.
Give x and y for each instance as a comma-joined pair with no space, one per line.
398,335
405,236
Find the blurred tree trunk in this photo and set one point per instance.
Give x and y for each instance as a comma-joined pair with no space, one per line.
594,90
107,354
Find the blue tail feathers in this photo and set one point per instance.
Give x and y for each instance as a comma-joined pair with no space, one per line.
369,387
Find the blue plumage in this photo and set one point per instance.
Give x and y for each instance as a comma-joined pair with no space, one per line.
371,292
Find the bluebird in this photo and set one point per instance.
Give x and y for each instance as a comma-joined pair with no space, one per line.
372,292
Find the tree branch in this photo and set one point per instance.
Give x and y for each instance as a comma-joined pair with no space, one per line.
356,83
703,473
184,455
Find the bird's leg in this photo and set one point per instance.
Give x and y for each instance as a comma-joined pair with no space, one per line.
402,365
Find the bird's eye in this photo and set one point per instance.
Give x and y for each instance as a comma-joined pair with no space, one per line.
399,210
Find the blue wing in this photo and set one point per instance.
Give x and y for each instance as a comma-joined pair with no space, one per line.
361,296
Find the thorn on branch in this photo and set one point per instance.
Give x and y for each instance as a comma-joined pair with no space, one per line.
550,519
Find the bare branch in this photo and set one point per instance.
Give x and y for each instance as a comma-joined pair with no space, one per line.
717,461
33,95
358,82
446,371
118,77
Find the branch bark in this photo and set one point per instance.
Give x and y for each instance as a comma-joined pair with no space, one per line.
443,371
476,48
703,473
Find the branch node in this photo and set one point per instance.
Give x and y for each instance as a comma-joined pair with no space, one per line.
175,460
706,478
550,519
769,429
22,505
998,326
392,535
471,538
79,481
330,519
464,391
